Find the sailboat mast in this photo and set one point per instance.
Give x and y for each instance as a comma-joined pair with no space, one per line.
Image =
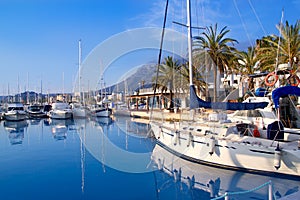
27,96
79,68
188,6
41,91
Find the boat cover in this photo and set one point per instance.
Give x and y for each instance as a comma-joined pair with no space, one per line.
284,91
196,102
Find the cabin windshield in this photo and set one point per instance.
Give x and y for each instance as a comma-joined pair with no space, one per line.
35,108
15,108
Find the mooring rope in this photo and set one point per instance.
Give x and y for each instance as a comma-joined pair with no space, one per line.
246,191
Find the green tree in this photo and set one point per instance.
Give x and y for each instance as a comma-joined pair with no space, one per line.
216,45
246,62
276,50
167,73
198,79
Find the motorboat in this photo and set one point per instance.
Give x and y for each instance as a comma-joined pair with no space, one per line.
15,112
60,110
36,111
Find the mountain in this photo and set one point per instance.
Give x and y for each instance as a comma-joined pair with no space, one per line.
142,77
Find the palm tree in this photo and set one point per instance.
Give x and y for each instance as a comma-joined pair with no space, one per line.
198,79
166,76
216,45
246,63
276,50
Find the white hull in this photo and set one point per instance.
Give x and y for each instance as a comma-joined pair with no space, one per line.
15,115
216,181
60,114
60,110
221,146
79,112
101,112
104,113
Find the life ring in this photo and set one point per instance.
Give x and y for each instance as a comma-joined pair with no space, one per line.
294,80
271,79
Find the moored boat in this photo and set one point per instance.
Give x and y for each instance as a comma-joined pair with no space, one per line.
15,112
100,110
36,111
217,141
60,110
79,111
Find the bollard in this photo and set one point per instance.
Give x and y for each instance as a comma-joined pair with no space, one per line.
270,191
226,196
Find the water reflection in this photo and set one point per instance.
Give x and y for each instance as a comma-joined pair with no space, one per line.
103,121
116,147
35,121
95,156
183,177
15,130
59,127
135,127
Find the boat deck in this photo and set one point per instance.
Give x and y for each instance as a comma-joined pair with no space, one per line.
293,196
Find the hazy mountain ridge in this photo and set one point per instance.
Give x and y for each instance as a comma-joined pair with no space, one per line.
143,75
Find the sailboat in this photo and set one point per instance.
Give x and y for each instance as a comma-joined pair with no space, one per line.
215,140
101,109
79,111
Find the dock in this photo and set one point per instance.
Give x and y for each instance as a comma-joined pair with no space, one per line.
162,115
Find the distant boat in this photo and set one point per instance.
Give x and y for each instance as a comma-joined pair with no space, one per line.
15,112
79,111
36,111
100,110
60,110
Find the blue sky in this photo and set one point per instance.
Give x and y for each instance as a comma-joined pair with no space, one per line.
39,38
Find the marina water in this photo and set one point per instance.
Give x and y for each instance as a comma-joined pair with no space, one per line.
106,158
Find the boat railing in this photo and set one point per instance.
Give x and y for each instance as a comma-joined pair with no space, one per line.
268,184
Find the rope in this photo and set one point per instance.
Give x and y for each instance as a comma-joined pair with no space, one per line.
160,54
243,23
257,17
245,192
278,48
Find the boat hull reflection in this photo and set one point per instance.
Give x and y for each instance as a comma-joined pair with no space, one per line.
59,127
15,130
213,182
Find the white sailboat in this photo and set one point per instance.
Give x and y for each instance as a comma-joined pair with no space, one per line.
101,109
79,111
214,140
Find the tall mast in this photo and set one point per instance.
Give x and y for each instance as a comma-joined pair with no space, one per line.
27,88
18,96
79,69
188,8
41,90
63,79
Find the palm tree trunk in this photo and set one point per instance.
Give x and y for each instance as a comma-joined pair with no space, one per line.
215,83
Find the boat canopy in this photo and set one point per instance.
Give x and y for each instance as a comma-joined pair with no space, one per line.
196,102
284,91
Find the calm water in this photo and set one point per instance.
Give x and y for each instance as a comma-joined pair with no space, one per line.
109,159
